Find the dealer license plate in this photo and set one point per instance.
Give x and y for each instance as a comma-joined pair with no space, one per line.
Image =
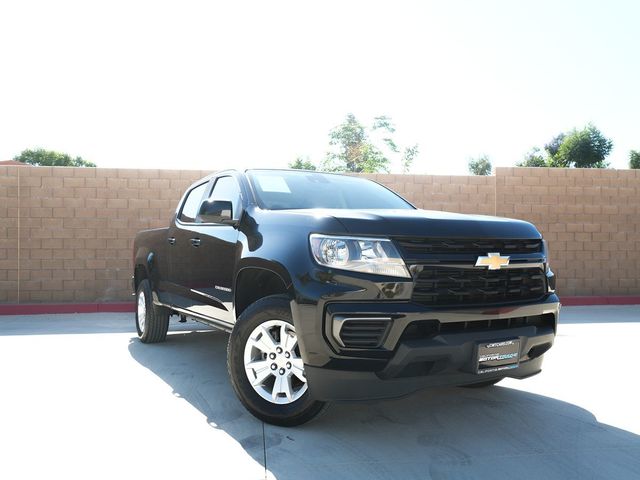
497,356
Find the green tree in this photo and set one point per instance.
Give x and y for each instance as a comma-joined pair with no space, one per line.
48,158
480,165
301,163
554,145
533,158
586,148
634,159
353,150
409,155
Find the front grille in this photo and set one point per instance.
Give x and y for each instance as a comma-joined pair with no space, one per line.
422,329
470,286
412,247
364,333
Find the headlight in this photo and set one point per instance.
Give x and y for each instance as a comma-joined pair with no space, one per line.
368,255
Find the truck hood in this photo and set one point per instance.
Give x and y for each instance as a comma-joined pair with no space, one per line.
427,223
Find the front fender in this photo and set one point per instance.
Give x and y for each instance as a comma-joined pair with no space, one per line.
271,265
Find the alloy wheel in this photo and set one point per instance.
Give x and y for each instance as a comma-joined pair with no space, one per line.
142,311
272,362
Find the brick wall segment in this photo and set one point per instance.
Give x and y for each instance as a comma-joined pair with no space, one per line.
594,249
66,233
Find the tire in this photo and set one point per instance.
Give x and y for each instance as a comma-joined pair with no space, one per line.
487,383
264,336
152,321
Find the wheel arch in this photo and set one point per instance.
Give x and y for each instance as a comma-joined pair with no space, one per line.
253,282
142,268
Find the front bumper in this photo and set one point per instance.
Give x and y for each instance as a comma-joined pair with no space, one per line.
400,366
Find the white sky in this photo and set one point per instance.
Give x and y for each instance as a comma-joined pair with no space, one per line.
241,84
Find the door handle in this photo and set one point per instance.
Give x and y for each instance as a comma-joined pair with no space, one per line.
171,240
195,242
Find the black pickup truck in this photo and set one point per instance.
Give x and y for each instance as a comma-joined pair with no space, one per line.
335,288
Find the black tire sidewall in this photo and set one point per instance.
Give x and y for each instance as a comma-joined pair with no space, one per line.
302,410
157,318
146,289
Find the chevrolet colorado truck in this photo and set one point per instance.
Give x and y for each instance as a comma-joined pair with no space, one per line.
334,288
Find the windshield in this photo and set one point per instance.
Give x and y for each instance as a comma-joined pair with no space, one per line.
286,189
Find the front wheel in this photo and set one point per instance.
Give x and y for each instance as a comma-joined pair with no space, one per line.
264,363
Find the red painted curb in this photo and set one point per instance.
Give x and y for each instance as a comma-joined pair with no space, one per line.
117,307
52,308
580,301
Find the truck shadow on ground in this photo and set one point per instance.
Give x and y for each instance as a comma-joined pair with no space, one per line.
496,432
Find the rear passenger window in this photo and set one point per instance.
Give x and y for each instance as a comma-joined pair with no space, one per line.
192,204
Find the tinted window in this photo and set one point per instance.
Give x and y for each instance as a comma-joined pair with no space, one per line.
192,204
279,190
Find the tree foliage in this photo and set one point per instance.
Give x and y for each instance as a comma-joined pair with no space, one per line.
586,148
409,155
480,165
553,146
353,150
48,158
301,163
357,148
533,158
634,159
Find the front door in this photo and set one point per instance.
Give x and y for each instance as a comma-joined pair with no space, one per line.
215,257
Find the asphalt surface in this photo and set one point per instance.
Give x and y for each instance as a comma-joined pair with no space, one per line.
81,397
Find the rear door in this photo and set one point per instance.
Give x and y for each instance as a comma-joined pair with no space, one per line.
215,257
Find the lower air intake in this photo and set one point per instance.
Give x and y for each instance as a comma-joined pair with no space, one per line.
362,332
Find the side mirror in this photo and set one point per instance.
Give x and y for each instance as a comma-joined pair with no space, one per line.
217,211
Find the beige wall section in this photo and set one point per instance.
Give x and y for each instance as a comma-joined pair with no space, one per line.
8,235
66,233
465,194
591,219
77,226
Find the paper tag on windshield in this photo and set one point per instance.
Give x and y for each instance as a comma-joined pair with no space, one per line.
270,183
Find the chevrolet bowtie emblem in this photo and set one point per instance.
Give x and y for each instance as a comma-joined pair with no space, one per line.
493,261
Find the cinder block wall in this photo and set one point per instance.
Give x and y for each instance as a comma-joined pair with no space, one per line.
66,233
463,194
590,217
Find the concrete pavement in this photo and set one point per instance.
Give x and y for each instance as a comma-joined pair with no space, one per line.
81,397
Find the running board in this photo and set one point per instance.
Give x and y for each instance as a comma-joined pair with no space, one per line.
212,322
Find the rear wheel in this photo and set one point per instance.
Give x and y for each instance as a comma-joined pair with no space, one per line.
152,321
264,363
